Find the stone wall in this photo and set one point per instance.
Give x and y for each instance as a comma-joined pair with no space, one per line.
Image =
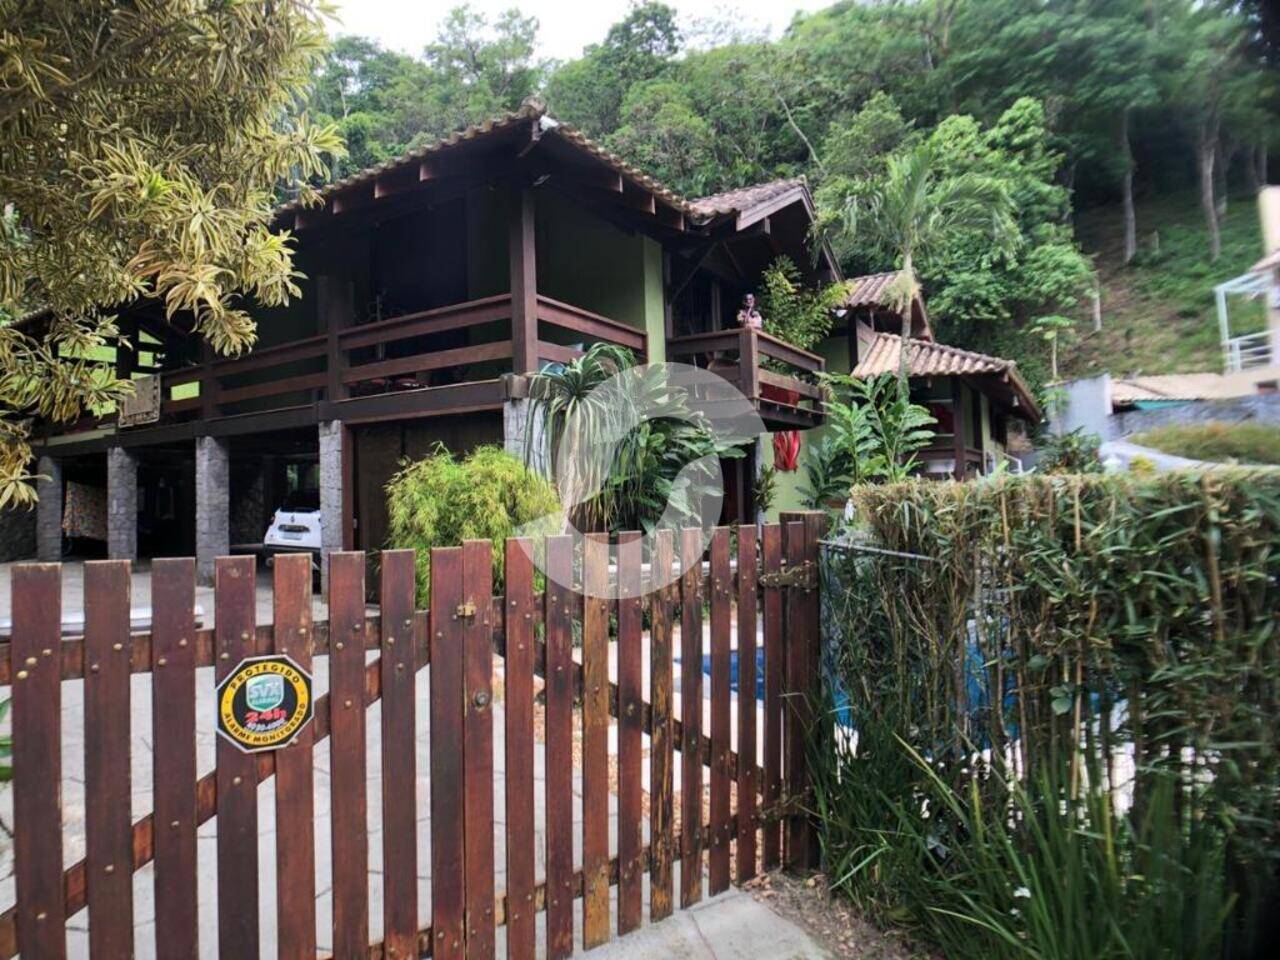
1262,408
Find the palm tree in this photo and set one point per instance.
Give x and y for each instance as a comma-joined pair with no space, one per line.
916,209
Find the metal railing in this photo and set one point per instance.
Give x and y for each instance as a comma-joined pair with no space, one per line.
1248,351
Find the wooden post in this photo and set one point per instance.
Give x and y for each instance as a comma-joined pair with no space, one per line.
802,628
749,363
524,282
959,420
335,311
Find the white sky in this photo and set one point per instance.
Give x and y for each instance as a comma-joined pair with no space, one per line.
564,28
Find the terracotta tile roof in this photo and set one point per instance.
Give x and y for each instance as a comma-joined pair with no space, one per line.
532,109
929,359
745,198
870,290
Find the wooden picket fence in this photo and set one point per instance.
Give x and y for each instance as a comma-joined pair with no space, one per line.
754,819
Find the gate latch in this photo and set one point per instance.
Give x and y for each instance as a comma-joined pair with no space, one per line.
465,611
802,575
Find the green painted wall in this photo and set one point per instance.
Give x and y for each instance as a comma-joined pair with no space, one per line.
835,351
585,261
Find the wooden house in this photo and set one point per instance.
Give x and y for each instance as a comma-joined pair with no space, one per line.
434,285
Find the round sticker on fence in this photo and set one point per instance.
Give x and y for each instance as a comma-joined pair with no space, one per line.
263,703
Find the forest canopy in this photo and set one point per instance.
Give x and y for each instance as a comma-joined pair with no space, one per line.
1063,104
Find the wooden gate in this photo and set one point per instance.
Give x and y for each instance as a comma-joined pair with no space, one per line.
497,665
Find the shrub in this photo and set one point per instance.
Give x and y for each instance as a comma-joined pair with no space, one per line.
1060,707
1253,443
440,501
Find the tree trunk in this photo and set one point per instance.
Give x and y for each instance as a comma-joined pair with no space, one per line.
1206,152
1251,170
1262,164
1126,187
1221,167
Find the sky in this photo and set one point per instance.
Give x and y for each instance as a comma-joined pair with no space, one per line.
565,27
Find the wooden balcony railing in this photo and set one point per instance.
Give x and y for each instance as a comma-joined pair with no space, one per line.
459,343
786,386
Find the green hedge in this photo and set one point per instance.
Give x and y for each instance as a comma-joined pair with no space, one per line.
1064,698
1253,443
440,501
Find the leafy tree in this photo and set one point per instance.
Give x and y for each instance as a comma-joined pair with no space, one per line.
793,312
589,93
385,102
915,209
142,150
980,213
663,135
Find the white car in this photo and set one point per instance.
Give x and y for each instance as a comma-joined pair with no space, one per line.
295,527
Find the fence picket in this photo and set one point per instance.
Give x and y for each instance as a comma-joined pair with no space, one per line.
295,804
660,743
795,709
630,735
595,741
559,747
747,701
108,826
447,825
477,750
399,766
519,736
774,666
37,761
458,638
690,717
347,768
237,779
173,731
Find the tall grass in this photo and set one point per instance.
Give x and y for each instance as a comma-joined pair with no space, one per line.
1056,705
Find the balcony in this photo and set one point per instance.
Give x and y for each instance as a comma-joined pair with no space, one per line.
1249,351
445,360
779,379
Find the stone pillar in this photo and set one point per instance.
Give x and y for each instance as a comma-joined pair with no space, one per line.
333,481
122,504
49,510
213,505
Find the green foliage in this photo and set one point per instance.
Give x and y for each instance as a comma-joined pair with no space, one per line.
765,490
1247,443
1158,312
6,744
976,213
141,148
876,426
386,102
794,312
1073,452
615,473
826,468
440,501
662,134
1064,692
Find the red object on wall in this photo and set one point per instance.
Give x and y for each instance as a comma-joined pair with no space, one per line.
786,450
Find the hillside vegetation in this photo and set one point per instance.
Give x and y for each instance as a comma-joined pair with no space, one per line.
1158,313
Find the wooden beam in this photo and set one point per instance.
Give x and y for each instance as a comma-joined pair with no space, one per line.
424,402
959,424
335,309
638,199
523,259
356,196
